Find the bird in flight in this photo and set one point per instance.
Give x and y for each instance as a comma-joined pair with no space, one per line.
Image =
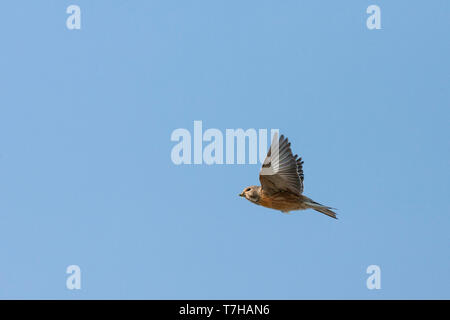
281,178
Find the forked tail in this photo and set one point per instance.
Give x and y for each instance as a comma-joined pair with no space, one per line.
320,208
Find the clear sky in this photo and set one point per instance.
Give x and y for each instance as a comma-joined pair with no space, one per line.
86,176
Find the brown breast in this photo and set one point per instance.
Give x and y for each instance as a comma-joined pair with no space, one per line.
284,201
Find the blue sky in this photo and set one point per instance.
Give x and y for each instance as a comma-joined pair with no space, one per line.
86,176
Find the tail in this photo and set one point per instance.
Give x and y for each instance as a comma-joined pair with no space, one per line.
320,208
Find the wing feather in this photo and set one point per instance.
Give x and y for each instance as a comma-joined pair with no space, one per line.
281,170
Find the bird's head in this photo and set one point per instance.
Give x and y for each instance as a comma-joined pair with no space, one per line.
251,193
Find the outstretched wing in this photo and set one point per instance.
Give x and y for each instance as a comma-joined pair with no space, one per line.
281,171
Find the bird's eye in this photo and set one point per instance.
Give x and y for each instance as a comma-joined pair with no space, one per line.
247,190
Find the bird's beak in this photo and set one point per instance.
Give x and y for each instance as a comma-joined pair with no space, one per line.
241,194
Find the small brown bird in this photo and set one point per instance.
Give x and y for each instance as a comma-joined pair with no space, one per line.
281,178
